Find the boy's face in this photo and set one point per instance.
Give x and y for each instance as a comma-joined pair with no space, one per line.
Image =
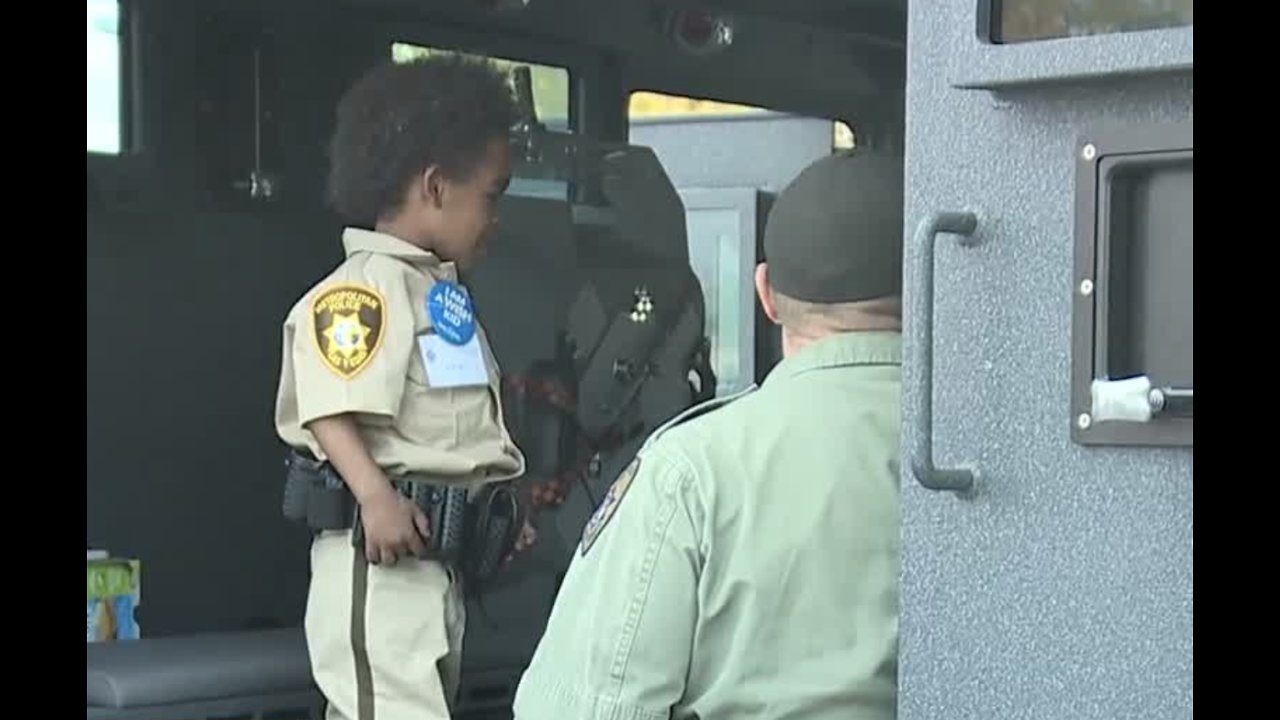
460,214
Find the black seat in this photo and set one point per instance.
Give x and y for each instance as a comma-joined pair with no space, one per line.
201,676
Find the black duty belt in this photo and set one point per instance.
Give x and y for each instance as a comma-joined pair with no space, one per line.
471,530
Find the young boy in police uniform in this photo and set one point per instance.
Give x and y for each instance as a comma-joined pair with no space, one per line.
388,376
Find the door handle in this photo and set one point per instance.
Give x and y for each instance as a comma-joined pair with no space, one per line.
1133,399
963,224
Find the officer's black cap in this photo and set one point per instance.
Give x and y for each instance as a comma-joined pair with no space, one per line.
835,233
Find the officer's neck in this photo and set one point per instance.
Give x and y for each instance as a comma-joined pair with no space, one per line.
795,339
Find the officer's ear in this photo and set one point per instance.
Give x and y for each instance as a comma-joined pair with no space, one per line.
765,292
433,183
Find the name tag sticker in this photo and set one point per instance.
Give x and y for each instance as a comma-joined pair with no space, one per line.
450,365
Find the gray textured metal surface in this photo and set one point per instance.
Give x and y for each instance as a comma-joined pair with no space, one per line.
1063,588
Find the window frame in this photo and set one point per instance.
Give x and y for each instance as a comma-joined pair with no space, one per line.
974,64
988,20
499,46
750,112
125,89
118,180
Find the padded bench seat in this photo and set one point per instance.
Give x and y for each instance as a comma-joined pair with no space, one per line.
201,676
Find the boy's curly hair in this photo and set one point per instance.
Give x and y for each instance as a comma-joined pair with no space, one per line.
401,118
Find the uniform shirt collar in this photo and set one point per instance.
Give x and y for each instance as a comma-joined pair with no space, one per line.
356,240
843,350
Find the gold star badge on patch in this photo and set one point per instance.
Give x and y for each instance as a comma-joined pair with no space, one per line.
348,321
608,505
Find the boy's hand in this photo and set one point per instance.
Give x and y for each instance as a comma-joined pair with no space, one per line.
394,527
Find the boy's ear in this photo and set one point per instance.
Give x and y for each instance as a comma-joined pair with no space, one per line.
433,186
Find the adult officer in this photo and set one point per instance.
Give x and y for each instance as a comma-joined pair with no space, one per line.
388,377
746,563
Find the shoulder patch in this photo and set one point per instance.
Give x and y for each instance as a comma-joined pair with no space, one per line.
696,411
609,504
347,324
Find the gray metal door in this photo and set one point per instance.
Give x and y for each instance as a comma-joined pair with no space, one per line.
1049,164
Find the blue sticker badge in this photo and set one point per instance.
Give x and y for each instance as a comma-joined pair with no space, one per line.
449,307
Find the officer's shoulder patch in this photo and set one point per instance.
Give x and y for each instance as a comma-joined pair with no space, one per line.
697,411
347,320
609,504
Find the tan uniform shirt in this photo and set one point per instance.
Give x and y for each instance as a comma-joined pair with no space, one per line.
746,564
351,345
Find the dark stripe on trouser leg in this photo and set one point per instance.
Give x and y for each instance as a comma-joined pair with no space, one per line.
359,636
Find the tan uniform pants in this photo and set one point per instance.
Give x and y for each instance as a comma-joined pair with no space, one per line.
385,642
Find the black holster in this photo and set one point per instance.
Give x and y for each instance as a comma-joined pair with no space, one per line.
315,495
493,528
